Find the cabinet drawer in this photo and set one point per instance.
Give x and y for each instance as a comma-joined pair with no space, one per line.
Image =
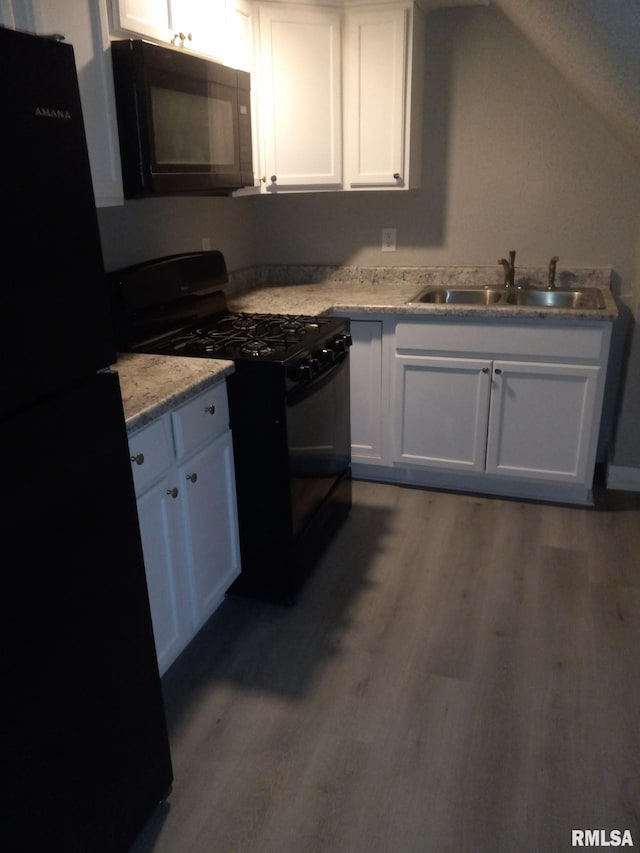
201,419
151,454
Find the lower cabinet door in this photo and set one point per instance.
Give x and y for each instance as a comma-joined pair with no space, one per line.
210,522
541,421
441,411
159,519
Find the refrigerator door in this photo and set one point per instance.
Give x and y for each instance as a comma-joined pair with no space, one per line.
84,754
53,300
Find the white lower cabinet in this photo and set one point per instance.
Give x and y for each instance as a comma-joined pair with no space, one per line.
441,415
504,407
210,526
185,489
541,420
159,519
514,419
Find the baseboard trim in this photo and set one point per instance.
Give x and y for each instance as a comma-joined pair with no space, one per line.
509,487
623,478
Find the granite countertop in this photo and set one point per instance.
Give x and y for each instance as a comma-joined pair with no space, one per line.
390,294
154,384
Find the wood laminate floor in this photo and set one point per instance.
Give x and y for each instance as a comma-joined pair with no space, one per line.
460,675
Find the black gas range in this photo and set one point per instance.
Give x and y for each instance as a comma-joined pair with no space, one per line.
289,399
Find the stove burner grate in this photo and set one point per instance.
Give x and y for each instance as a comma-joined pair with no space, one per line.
253,335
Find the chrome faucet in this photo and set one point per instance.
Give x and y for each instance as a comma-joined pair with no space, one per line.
509,267
552,273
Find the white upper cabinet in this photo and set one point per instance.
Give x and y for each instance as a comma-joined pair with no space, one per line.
339,96
299,96
239,36
220,29
200,26
383,71
151,18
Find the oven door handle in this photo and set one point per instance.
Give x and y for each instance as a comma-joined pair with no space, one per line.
303,392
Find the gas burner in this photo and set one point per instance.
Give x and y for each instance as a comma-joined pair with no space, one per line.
290,326
256,349
244,322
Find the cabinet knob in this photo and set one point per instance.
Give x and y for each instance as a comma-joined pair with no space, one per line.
274,178
138,458
397,176
182,37
210,409
192,477
497,371
485,369
173,492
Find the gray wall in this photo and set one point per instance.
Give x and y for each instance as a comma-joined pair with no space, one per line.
513,158
149,228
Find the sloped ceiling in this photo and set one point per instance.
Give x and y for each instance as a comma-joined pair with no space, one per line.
595,45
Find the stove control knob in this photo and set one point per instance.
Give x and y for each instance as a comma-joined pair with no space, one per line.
301,372
314,364
326,355
342,343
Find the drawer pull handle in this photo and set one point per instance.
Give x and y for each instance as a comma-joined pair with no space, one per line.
192,477
210,408
138,458
173,492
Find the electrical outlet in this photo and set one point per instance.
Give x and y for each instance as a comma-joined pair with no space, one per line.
206,244
388,239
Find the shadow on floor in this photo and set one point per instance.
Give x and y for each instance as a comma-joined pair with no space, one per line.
261,646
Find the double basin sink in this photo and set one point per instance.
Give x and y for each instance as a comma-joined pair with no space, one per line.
586,298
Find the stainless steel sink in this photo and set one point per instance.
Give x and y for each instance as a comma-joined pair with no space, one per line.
459,296
580,298
576,298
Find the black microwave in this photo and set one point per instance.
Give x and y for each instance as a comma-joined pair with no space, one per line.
184,122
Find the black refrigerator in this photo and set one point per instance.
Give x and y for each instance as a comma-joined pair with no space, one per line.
85,754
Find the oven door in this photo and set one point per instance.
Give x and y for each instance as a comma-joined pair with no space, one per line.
319,441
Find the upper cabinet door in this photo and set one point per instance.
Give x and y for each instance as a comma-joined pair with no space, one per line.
381,106
220,29
239,36
299,106
150,18
200,26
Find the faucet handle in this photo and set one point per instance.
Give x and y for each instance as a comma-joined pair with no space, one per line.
552,272
506,266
